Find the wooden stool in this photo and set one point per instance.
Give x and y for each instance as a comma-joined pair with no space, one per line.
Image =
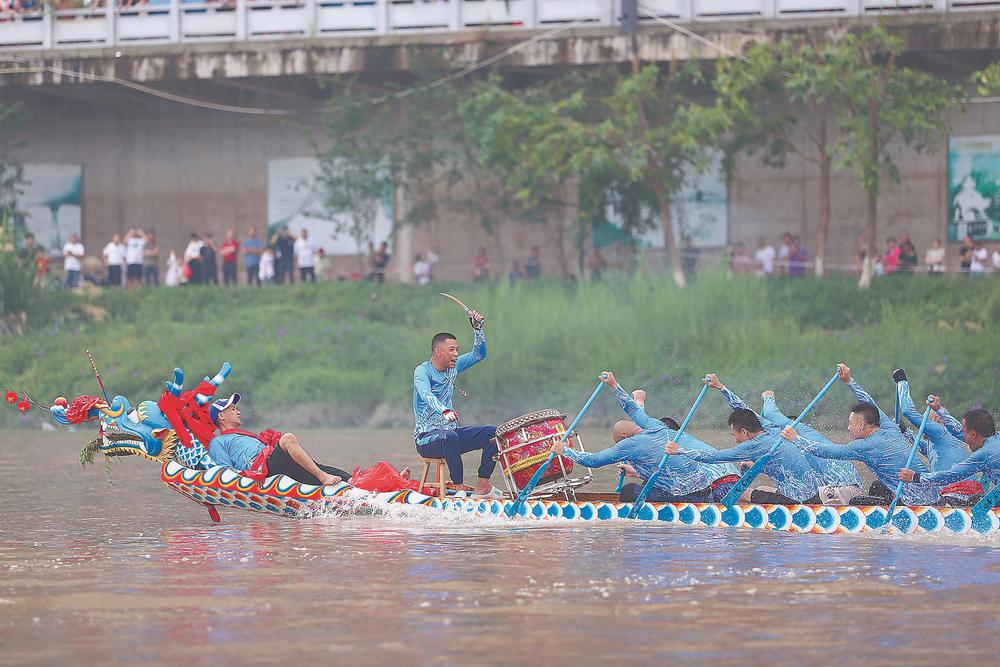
439,475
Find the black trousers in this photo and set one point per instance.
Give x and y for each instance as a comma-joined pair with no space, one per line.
630,492
229,273
759,497
878,494
114,276
280,463
307,273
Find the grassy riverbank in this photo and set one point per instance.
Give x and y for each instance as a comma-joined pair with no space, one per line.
342,354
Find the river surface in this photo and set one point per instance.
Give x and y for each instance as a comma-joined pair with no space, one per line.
136,574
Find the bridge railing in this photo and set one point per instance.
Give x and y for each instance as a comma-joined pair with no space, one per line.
108,23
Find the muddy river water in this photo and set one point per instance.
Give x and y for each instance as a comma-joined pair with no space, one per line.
136,574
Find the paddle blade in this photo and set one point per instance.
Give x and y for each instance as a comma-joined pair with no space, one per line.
745,481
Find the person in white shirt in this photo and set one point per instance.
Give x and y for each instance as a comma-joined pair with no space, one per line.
265,272
979,258
114,260
72,254
422,267
764,257
174,274
784,253
192,259
996,259
135,247
305,256
934,258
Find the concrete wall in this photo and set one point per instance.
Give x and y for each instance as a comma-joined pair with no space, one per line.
176,172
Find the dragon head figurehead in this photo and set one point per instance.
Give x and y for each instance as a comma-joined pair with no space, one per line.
173,427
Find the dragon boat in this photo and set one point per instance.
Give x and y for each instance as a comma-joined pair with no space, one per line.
174,432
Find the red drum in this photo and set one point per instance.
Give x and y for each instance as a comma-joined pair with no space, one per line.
524,444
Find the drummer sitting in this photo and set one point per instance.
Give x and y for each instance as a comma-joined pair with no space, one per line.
437,433
682,480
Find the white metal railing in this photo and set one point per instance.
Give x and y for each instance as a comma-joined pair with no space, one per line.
186,21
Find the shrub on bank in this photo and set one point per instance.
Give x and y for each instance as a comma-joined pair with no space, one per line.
342,354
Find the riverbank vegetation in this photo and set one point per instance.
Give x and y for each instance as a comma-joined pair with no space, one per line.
342,354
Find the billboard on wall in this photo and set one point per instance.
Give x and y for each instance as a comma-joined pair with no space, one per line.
974,187
294,199
699,210
51,203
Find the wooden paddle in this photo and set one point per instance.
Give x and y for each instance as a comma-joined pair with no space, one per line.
515,506
750,475
648,486
909,462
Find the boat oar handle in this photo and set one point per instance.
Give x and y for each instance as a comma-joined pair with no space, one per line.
909,462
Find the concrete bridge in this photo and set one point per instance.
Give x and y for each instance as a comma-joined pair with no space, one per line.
174,110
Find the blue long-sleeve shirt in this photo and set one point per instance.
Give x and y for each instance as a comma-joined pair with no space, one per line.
885,452
827,471
643,451
953,425
942,449
986,460
433,390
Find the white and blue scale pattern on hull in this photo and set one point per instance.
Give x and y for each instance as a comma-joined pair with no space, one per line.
282,496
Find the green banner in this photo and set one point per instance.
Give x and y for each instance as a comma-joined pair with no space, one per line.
974,188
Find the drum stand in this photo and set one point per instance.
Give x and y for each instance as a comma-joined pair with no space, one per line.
565,485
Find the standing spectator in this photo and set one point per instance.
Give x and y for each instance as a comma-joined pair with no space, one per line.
252,249
192,261
533,265
229,250
891,256
934,258
114,260
764,258
965,254
151,261
379,260
597,263
784,252
422,267
28,251
689,257
284,255
174,271
265,272
481,266
209,267
907,255
41,265
515,274
860,253
979,259
135,246
305,256
322,265
996,258
798,258
741,264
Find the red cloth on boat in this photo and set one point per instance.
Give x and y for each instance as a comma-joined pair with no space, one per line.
187,417
964,488
258,467
78,410
382,477
728,479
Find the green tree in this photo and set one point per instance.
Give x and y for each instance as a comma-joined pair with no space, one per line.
881,103
777,92
986,81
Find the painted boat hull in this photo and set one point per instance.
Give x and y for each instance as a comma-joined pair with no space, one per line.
282,496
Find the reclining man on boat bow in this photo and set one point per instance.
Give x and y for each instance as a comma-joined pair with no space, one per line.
261,455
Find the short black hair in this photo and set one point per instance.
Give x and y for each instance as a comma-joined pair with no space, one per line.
671,423
441,337
868,412
742,418
980,421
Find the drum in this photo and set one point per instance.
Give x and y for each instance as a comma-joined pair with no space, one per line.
524,445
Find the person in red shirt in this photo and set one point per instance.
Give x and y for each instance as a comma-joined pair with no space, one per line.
891,256
229,250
